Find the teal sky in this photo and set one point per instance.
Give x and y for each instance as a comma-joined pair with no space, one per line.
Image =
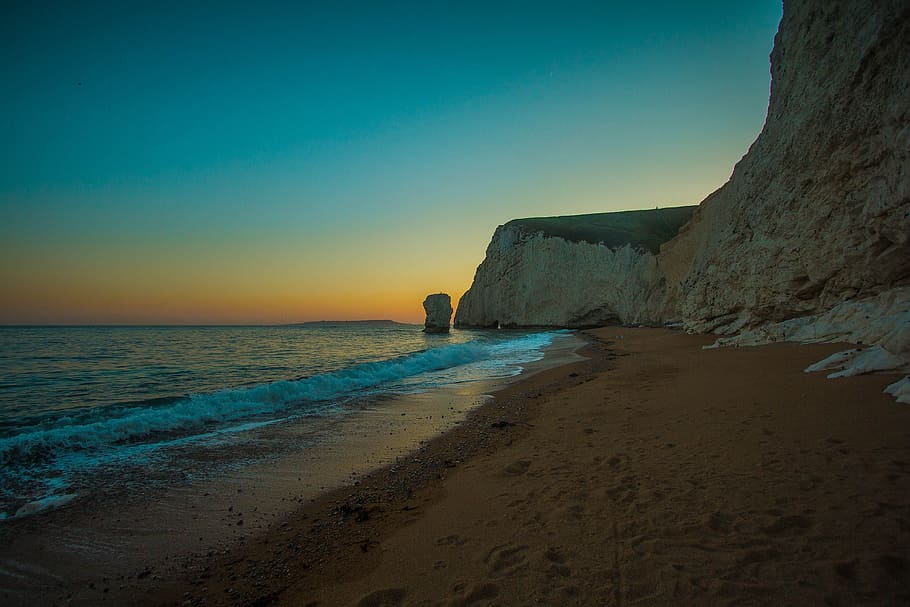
272,162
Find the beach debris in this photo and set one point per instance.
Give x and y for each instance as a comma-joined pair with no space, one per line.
439,313
900,390
503,423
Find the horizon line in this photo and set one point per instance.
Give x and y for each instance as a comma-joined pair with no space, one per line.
164,325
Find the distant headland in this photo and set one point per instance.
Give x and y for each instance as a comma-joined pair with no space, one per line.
332,323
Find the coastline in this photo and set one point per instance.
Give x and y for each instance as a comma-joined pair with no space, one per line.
653,472
322,538
141,538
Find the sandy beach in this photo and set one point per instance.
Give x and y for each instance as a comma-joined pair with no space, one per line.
633,233
653,473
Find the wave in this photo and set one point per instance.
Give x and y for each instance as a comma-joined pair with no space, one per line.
47,463
41,444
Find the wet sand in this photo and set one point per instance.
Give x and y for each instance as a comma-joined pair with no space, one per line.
148,528
652,473
655,473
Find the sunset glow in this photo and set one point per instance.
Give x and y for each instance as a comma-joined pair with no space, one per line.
261,165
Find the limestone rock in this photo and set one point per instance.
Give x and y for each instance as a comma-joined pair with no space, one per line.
540,281
900,390
580,271
879,325
810,236
818,211
439,312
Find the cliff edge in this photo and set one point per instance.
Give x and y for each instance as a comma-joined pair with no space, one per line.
575,271
815,215
818,212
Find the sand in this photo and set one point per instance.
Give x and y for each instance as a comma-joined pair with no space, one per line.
654,473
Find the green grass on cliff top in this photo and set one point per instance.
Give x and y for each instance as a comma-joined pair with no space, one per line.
646,229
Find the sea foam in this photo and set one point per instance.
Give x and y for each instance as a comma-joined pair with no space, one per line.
50,458
315,395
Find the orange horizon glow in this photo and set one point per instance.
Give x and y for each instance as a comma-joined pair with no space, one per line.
60,304
302,164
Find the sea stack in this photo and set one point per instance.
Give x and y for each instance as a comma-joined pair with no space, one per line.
439,312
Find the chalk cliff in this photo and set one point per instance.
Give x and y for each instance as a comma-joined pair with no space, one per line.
808,240
576,271
818,211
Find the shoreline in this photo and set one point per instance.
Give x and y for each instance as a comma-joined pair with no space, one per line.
653,472
344,520
317,540
143,537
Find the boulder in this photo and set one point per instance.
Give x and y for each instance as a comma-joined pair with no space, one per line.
439,312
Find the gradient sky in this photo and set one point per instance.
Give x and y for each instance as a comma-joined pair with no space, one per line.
214,162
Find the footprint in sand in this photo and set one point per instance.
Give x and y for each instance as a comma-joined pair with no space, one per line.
895,566
720,522
788,524
387,597
506,560
474,595
847,569
554,563
760,555
554,556
451,540
517,468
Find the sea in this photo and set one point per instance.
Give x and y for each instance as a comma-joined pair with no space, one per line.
93,410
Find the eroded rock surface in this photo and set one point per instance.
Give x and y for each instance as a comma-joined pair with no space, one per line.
439,313
818,211
580,271
813,225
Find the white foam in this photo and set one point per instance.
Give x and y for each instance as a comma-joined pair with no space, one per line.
45,503
38,463
316,395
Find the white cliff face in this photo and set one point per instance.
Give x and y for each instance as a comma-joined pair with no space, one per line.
530,279
809,240
818,211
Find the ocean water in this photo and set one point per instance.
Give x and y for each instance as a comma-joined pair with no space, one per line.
84,408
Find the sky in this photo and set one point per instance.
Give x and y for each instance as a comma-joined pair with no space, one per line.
219,162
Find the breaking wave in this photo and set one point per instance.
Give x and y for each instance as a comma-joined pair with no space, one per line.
107,428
